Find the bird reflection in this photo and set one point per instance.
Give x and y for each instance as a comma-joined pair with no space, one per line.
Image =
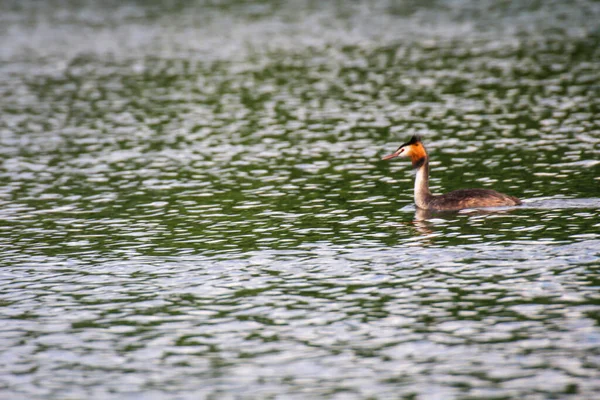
421,223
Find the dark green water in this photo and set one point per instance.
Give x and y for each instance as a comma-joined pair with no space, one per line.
192,201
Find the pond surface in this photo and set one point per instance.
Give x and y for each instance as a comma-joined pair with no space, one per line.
193,205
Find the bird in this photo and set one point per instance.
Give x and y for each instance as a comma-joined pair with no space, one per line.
452,201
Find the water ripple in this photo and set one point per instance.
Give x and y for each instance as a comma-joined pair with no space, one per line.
194,205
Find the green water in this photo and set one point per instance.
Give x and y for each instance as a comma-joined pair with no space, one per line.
193,205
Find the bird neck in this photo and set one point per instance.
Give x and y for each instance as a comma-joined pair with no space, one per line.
422,193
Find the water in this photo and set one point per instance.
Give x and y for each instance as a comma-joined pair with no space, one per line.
193,203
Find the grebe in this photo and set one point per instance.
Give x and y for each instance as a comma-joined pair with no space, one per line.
456,200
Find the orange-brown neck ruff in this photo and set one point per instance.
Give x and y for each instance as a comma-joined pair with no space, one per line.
417,155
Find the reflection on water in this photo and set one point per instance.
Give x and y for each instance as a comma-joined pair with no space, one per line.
193,205
426,221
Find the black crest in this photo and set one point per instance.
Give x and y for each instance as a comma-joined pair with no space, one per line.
413,140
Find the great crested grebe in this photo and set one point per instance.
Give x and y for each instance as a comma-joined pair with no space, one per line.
452,201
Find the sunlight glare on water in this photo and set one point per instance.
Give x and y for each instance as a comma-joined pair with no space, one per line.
193,203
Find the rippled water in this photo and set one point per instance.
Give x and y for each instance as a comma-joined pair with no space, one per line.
193,203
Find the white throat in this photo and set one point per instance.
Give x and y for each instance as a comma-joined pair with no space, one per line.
422,193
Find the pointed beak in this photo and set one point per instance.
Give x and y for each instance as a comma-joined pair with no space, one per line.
393,155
